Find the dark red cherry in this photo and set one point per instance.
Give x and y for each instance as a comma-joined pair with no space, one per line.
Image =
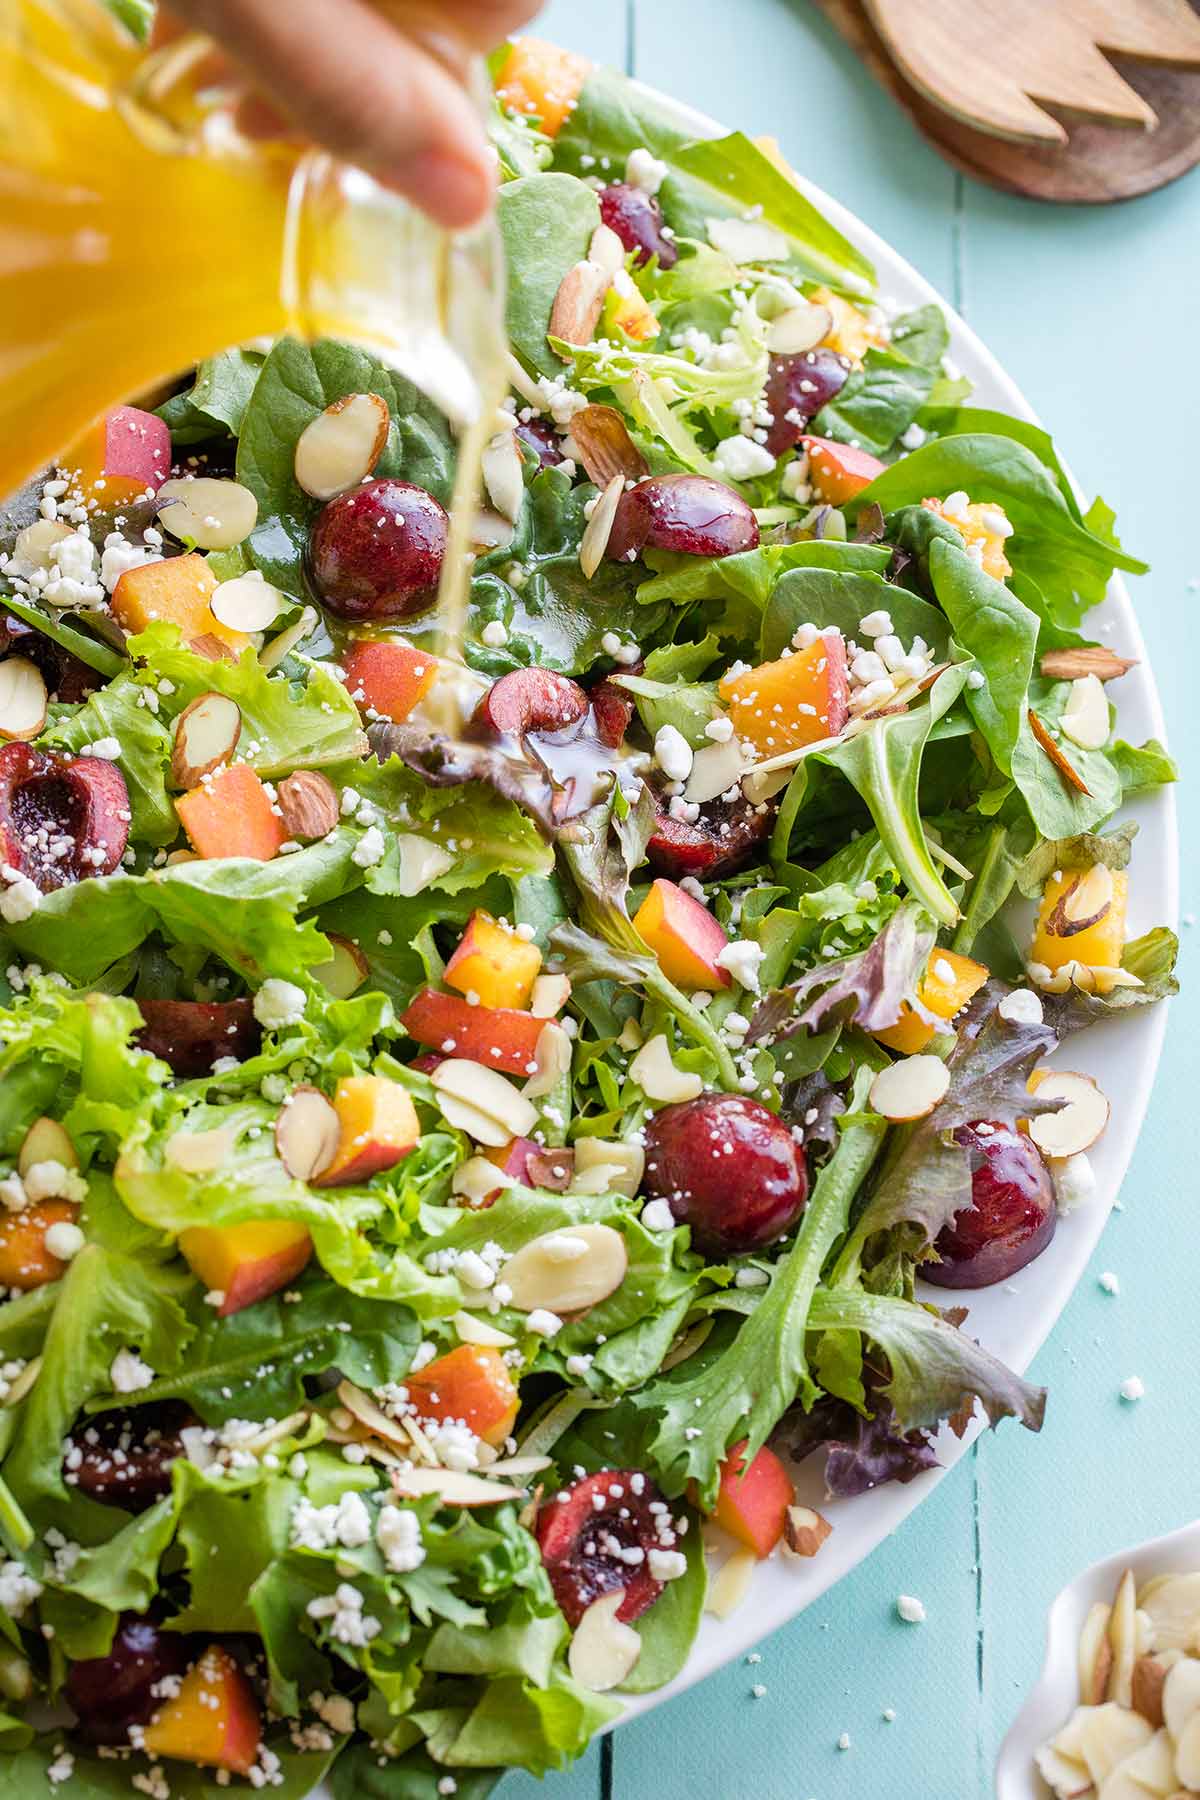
540,437
375,552
1012,1214
689,514
637,219
531,700
124,1458
797,388
585,1528
111,1693
612,710
62,818
726,836
728,1168
67,678
191,1035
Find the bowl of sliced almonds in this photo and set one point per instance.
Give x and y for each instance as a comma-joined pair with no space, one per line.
1115,1714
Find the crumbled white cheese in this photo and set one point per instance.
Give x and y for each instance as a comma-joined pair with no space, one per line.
742,958
370,848
1109,1282
1074,1180
398,1535
657,1216
544,1323
740,458
18,1591
52,1180
279,1003
911,1610
672,753
64,1240
642,170
666,1565
1021,1007
495,634
129,1374
348,1623
1133,1388
19,899
876,624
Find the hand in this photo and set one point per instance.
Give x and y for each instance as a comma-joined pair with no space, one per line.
382,86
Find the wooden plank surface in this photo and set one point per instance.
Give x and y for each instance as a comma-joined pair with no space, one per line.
1089,310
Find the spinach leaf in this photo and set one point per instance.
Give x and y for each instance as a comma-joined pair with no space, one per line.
546,222
962,421
296,384
1056,808
1001,634
881,400
824,597
217,400
1142,767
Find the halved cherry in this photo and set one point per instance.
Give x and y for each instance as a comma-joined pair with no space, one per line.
728,1168
191,1035
612,710
124,1458
531,700
1012,1215
114,1692
62,818
726,836
585,1530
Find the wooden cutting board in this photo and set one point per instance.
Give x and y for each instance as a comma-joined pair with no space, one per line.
1019,94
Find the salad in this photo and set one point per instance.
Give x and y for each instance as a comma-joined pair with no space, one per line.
444,1179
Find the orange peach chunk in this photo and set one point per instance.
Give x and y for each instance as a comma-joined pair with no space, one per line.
494,962
1082,919
378,1128
494,1035
541,82
387,680
472,1383
752,1501
978,522
213,1721
246,1262
179,589
946,986
839,471
25,1262
684,936
231,815
124,455
800,699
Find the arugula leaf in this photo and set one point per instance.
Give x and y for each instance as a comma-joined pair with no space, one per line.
216,402
992,626
546,222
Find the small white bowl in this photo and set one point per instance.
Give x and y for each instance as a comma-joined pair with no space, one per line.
1056,1692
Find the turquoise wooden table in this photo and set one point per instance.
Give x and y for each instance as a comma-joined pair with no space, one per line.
1088,310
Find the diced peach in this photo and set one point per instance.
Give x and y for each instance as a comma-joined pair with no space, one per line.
124,454
625,310
1060,940
388,680
214,1719
853,333
25,1262
473,1384
752,1502
378,1126
978,522
178,589
231,815
839,471
495,1035
946,986
513,1158
798,700
684,936
494,962
246,1262
541,82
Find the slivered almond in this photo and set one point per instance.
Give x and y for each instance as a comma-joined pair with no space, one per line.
308,804
478,1331
46,1141
1090,659
307,1133
603,1651
453,1488
552,1054
1180,1695
911,1088
1122,1636
804,1531
206,736
504,476
36,544
22,699
342,445
207,511
346,969
482,1102
490,531
272,654
605,446
550,995
1172,1604
1095,1655
578,305
1070,775
1077,1125
246,603
594,542
658,1077
624,1162
23,1383
799,329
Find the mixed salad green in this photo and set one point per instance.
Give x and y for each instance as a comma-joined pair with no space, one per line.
435,1173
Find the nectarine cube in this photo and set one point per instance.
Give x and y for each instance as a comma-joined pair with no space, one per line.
947,984
213,1721
1082,919
231,815
800,699
839,471
472,1383
245,1263
377,1124
852,333
541,82
625,310
978,523
25,1261
125,453
494,962
494,1035
387,680
684,936
752,1501
179,590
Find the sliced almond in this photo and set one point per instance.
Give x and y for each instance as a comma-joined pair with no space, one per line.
804,1531
514,1466
23,1383
422,862
478,1331
1084,904
491,531
342,445
799,329
308,805
272,654
206,736
594,543
606,250
732,1584
504,476
911,1088
550,994
1068,1777
748,240
543,1275
207,511
603,1651
658,1077
1078,1124
1091,659
605,447
46,1141
36,544
552,1054
481,1102
23,699
453,1487
1095,1655
715,769
212,648
578,305
475,1179
200,1152
371,1416
1085,719
1069,773
1187,1753
1172,1604
625,1162
1180,1695
1149,1678
1107,1735
247,603
1122,1636
307,1133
